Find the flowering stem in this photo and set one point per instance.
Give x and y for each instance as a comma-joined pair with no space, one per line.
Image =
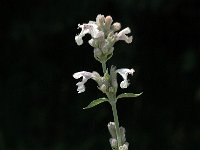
113,102
114,109
104,66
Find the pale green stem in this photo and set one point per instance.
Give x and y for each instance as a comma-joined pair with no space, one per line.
114,109
104,66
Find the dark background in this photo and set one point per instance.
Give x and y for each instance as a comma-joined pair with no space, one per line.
39,106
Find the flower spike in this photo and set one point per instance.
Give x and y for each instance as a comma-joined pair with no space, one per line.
104,34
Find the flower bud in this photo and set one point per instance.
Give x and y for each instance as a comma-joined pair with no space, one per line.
122,134
116,26
112,129
108,22
113,143
92,43
100,20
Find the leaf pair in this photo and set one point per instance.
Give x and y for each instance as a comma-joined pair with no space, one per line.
101,100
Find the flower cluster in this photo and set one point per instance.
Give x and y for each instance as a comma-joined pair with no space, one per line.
106,82
104,35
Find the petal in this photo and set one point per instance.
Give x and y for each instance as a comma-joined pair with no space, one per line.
79,40
89,28
122,35
124,84
81,87
124,73
125,31
86,75
91,42
80,74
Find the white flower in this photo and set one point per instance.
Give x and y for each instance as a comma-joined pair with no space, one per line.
90,28
86,75
122,35
124,73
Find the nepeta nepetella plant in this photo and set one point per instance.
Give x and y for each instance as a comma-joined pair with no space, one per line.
104,34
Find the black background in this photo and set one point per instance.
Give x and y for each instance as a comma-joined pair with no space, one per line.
39,106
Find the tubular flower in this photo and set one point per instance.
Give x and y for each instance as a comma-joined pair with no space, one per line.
85,76
90,28
103,82
122,35
124,73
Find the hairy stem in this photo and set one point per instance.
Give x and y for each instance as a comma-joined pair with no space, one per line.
114,109
104,66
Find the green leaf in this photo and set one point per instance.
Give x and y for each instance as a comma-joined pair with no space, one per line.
96,102
123,95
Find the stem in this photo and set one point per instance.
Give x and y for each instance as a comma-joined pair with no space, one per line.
104,66
114,109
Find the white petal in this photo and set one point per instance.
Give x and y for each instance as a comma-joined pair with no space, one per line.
91,42
80,74
122,35
85,76
124,73
89,28
81,87
124,84
79,40
127,30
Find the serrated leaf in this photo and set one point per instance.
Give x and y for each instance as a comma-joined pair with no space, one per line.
124,95
96,102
